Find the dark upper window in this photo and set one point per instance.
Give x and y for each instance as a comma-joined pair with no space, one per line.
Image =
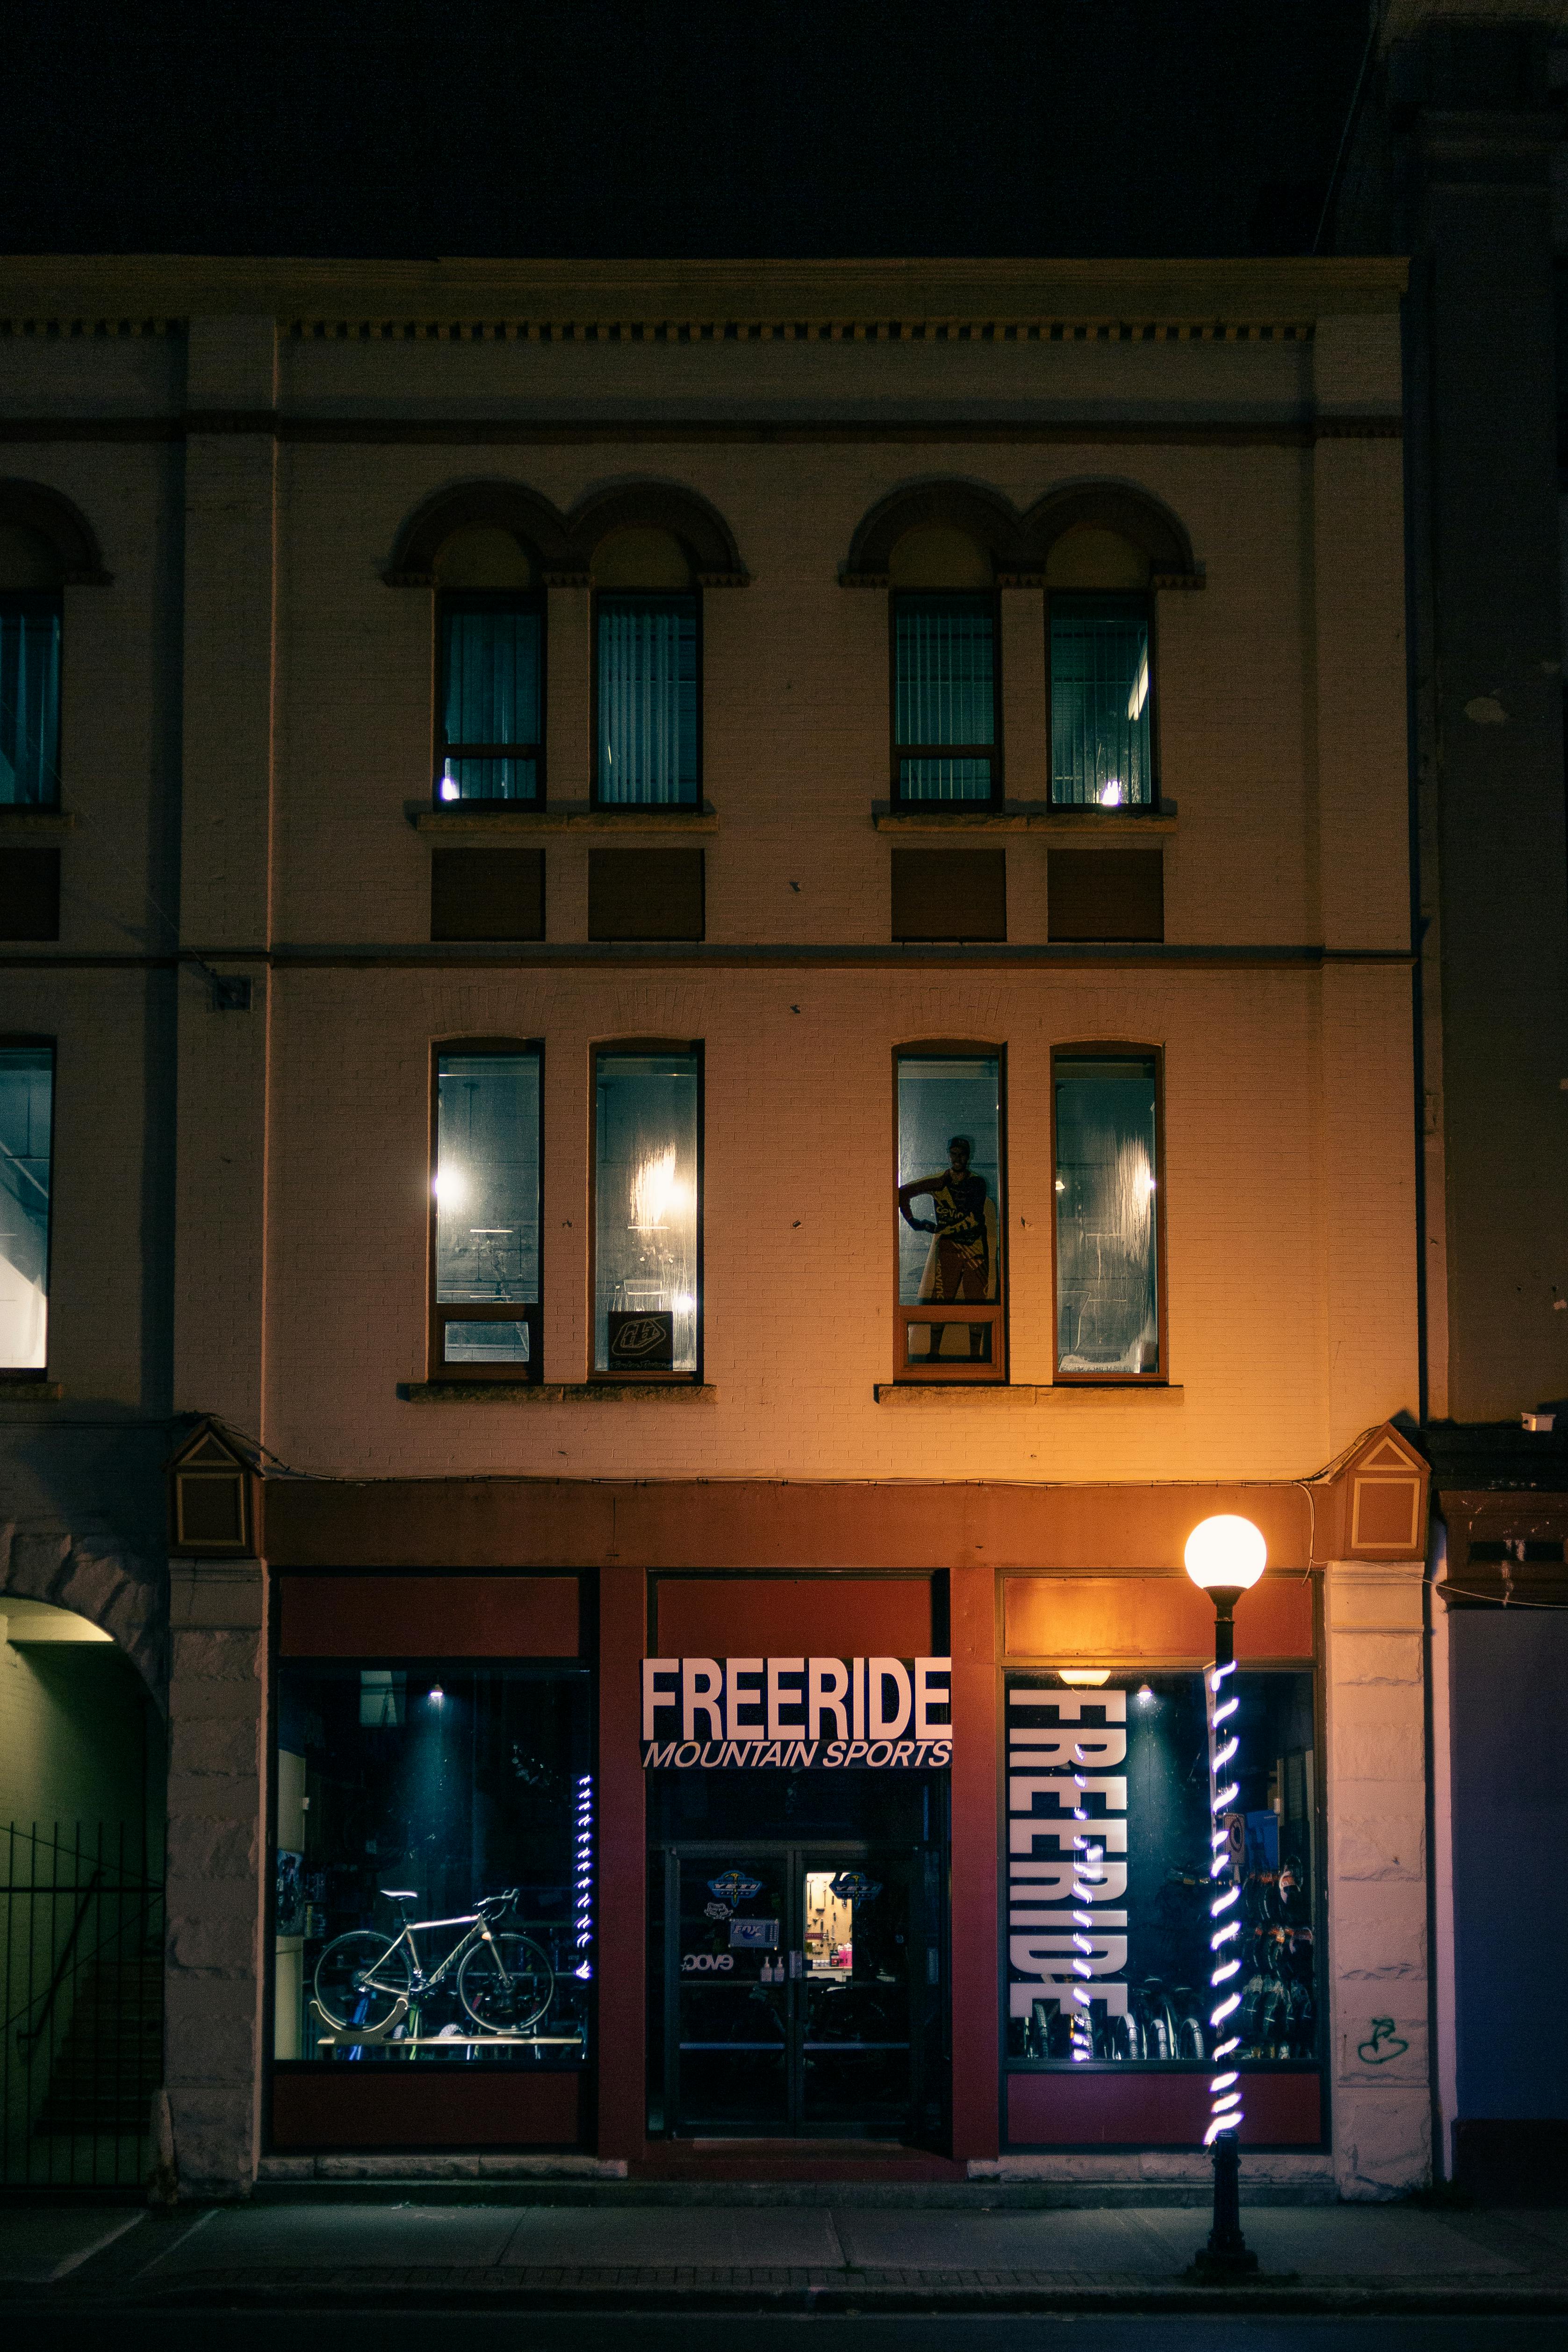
485,1201
1101,729
647,702
491,734
944,697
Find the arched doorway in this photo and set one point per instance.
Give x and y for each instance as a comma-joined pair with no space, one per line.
82,1770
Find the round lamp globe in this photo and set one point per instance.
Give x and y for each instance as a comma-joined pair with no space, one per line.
1225,1554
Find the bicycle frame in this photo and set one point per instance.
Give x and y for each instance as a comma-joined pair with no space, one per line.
478,1933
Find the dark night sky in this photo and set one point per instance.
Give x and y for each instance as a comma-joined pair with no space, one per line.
626,127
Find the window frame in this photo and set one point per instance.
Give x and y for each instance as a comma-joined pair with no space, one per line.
649,596
1093,810
897,752
487,600
998,1372
1105,1050
17,1042
438,1315
615,1048
50,599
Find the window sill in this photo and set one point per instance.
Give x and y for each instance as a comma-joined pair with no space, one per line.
482,819
557,1392
1021,1392
36,824
31,1391
1083,826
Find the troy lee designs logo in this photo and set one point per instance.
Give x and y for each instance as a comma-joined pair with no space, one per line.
643,1334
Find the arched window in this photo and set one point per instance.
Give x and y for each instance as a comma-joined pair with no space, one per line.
44,547
939,549
488,549
1102,548
652,548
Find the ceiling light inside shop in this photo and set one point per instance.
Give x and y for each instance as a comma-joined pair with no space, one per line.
1085,1678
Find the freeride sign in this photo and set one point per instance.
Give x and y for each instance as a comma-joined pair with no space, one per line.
797,1715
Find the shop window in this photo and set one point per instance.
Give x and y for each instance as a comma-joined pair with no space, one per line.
492,735
1108,1235
949,1317
486,894
646,697
30,632
433,1864
1109,1884
27,1109
1101,702
945,698
485,1204
648,1270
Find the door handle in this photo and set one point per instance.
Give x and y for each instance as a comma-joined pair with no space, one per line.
797,1964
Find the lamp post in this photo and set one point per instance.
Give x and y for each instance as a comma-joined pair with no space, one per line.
1224,1556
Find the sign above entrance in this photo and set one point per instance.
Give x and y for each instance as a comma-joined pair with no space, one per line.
797,1715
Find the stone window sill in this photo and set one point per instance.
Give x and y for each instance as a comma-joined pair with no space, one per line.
1081,826
557,1392
1023,1392
490,821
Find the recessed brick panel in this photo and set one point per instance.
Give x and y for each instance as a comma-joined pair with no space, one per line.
945,894
645,893
29,893
486,894
1107,894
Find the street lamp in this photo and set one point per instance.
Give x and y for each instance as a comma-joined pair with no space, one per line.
1225,1556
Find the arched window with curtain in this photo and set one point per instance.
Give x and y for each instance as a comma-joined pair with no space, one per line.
942,612
1101,621
646,649
32,623
490,703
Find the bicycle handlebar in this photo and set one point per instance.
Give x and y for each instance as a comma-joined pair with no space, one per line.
495,1907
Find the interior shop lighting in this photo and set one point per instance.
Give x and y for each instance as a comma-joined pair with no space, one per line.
1225,1558
450,1187
436,1695
1144,1695
1085,1678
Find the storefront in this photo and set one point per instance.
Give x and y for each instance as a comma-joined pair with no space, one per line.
680,1863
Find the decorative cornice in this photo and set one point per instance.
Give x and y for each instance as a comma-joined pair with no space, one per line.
566,432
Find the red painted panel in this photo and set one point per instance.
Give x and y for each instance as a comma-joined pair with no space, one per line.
1155,2110
391,2106
430,1617
622,2130
1106,1618
790,1616
973,1864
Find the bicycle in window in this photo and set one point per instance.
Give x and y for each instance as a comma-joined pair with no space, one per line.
366,1979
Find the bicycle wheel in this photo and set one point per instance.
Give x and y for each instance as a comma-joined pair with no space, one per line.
506,1984
360,1979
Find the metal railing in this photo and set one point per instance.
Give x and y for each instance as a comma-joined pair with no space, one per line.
81,2003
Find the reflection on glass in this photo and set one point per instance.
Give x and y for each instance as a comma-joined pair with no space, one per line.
1107,1293
29,702
1100,752
487,1179
647,695
943,693
949,1200
1112,1888
27,1094
646,1274
491,699
430,1903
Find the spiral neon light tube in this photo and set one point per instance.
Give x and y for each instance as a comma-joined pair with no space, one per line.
1224,2088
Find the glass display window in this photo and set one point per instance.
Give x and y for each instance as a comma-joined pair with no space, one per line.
27,1112
1107,1220
950,1321
492,698
485,1208
1108,1878
648,1269
433,1864
1102,713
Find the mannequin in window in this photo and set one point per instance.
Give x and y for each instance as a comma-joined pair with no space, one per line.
961,1262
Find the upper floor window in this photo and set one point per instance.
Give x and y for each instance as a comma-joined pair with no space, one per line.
1102,682
491,707
485,1204
27,1108
31,621
949,1316
646,670
1108,1274
647,1230
944,697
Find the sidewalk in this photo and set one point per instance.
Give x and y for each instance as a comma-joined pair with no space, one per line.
842,2255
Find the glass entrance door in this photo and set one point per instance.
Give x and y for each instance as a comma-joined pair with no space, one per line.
805,1991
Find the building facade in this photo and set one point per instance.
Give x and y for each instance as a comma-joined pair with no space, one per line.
708,1017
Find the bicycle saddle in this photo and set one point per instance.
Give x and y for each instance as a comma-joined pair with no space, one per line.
400,1894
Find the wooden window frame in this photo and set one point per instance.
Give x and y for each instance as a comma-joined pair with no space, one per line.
437,1316
1109,1050
52,600
994,1374
1151,807
898,752
649,596
15,1042
615,1047
487,600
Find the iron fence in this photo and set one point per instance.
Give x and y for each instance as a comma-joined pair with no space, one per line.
81,2000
